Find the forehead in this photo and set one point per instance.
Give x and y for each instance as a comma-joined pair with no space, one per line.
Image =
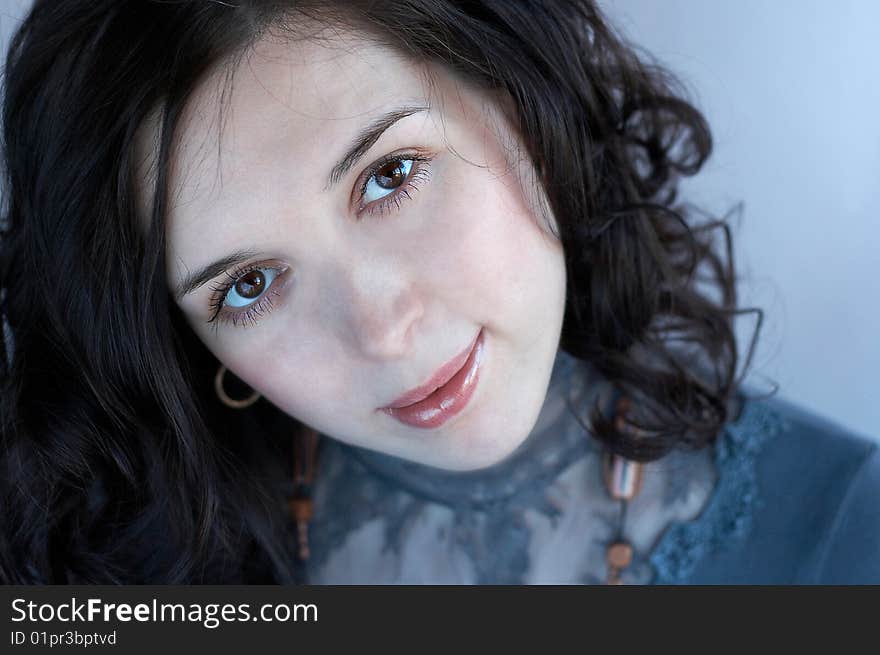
299,100
303,89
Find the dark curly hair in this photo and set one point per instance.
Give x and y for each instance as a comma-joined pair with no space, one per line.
119,465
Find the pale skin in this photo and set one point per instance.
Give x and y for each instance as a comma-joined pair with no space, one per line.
361,299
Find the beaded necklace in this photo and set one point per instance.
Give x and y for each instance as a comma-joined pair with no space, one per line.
623,480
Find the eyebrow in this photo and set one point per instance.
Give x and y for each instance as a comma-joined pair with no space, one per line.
358,147
195,280
365,139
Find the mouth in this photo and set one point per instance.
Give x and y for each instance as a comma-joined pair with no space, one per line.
445,394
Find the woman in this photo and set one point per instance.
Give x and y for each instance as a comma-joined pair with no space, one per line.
440,243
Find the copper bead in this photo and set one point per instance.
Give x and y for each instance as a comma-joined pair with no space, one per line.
620,555
301,511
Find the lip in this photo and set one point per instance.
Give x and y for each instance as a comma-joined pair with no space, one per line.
445,394
440,378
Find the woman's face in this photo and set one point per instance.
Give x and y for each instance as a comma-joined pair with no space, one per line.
376,230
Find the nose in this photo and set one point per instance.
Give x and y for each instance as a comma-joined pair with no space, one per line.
382,307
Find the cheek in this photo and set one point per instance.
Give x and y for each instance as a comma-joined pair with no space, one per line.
495,255
301,373
292,365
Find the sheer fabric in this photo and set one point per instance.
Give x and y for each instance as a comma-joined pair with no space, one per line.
540,516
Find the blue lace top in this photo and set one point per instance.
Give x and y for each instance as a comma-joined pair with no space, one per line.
781,497
728,515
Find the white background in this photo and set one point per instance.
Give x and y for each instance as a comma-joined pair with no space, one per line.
791,89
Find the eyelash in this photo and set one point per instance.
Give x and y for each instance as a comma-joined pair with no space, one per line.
417,175
251,314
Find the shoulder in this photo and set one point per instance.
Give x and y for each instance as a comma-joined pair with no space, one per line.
839,498
815,518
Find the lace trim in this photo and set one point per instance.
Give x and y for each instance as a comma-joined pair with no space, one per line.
728,513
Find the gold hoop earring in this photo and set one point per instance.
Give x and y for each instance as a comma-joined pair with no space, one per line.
224,397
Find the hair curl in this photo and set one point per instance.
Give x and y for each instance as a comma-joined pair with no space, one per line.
118,463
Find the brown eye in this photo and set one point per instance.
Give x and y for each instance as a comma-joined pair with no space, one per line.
391,180
251,285
391,175
384,180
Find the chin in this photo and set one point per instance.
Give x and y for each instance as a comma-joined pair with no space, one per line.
488,445
496,432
